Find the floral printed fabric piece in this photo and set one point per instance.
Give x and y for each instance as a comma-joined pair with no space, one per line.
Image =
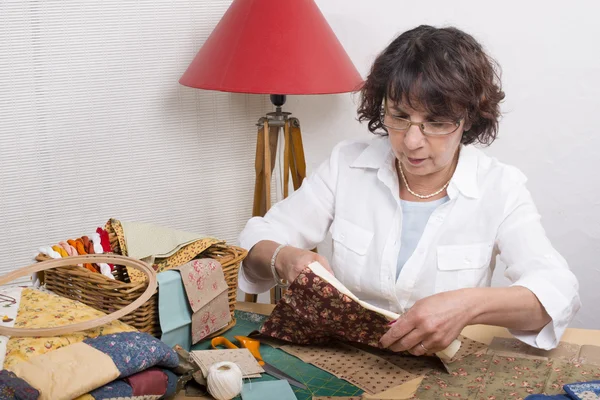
203,280
133,352
13,387
39,309
492,377
206,291
510,347
312,311
212,317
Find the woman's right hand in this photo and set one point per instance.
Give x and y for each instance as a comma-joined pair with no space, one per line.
291,261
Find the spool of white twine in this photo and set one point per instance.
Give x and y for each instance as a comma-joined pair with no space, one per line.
224,380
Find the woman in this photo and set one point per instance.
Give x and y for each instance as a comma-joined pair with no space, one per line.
417,214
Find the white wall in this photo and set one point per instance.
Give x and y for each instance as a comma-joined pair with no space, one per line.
94,124
550,57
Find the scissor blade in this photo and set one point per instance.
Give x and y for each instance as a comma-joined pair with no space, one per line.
271,370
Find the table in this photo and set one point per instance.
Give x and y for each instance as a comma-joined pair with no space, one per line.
481,333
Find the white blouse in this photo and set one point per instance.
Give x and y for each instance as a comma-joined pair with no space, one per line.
355,194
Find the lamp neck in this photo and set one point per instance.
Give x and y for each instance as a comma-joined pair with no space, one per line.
278,100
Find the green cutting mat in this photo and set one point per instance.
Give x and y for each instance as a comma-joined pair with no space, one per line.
318,382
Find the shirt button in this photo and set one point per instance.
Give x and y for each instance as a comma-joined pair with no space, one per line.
342,237
439,218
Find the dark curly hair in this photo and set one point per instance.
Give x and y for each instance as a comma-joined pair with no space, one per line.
444,72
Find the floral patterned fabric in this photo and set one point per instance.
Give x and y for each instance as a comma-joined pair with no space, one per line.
312,311
13,387
133,352
491,377
44,310
206,290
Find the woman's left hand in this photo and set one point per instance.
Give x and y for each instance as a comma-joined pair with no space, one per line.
431,324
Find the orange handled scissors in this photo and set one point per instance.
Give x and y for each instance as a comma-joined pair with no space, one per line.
253,346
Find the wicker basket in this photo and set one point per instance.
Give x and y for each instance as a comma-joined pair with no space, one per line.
107,295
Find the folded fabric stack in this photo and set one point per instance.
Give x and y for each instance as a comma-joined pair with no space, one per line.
118,365
110,361
192,302
193,294
163,248
96,243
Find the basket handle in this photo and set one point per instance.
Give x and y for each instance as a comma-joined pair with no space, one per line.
72,261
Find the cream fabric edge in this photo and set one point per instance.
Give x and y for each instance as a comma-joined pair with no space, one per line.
319,270
148,240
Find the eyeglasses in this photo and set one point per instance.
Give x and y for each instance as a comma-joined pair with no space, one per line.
428,128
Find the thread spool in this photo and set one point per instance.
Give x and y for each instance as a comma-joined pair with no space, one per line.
224,380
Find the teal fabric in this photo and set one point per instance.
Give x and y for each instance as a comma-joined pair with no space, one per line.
174,311
268,390
414,219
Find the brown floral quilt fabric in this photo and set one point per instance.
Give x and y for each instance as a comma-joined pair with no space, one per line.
312,311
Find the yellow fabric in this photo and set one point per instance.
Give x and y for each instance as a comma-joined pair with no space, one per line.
185,254
68,372
44,310
85,397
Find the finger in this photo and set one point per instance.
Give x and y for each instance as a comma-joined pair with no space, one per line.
420,349
407,342
399,329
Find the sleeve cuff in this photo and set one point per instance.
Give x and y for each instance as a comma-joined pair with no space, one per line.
253,287
560,309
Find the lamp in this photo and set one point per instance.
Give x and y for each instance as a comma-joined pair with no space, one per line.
275,47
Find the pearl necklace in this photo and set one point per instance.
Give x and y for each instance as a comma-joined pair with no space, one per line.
420,196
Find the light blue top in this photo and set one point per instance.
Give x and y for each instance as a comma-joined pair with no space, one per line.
414,219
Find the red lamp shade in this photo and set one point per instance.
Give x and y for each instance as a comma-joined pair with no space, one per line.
273,47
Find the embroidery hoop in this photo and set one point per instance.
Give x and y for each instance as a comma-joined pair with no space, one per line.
71,262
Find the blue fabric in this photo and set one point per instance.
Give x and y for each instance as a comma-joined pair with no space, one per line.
115,389
268,390
14,388
414,219
174,312
171,383
133,352
547,397
577,390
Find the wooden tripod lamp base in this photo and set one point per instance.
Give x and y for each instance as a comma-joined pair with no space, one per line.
294,163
